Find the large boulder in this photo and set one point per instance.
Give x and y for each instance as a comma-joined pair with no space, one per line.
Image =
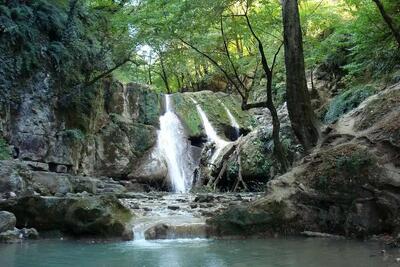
152,169
342,190
120,144
167,231
7,221
100,216
14,177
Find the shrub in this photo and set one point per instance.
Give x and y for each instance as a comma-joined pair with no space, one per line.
347,101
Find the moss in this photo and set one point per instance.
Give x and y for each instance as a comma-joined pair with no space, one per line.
347,101
342,169
74,135
5,152
216,113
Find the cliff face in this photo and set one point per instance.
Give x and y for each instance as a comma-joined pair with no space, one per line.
104,136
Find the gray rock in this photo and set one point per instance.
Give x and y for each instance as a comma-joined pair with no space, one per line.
102,216
16,235
7,221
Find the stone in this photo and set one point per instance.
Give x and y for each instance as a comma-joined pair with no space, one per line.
166,231
10,236
16,235
38,166
204,198
7,221
53,183
158,231
61,169
173,207
98,216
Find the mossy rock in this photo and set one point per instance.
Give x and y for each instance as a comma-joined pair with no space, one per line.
96,216
257,218
212,105
258,161
145,102
342,169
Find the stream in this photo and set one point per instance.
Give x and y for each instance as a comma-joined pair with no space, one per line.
198,252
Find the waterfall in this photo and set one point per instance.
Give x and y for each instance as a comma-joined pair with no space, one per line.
234,123
125,106
210,132
175,148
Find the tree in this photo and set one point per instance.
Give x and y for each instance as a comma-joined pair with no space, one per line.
300,110
389,21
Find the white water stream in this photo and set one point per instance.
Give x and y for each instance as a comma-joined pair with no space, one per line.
175,148
210,132
232,119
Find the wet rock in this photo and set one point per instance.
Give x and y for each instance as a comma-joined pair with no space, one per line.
101,216
204,198
173,207
165,231
16,235
158,231
10,236
151,169
7,221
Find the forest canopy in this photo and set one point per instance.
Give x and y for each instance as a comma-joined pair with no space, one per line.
189,45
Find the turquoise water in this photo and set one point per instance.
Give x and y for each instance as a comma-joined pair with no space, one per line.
232,253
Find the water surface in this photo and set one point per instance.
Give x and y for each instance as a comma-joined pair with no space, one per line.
201,252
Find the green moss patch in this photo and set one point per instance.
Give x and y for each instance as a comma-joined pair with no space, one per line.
347,101
211,103
5,152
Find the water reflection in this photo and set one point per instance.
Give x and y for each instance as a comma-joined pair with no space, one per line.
199,252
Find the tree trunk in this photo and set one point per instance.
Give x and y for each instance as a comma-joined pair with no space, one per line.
301,113
389,21
164,75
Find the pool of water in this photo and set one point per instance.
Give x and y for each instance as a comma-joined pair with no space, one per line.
201,252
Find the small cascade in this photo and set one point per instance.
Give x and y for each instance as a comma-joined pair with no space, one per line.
175,148
125,106
210,132
234,123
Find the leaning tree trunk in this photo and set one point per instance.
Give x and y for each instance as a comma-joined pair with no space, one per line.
299,106
389,21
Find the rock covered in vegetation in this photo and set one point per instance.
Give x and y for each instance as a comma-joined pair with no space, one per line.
116,128
213,106
98,216
349,186
252,153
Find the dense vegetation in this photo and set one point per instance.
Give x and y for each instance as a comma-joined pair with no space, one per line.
179,45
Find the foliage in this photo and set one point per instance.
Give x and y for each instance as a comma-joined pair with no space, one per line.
354,164
4,150
347,101
74,134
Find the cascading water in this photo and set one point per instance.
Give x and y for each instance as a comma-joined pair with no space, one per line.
234,123
125,111
210,132
175,148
